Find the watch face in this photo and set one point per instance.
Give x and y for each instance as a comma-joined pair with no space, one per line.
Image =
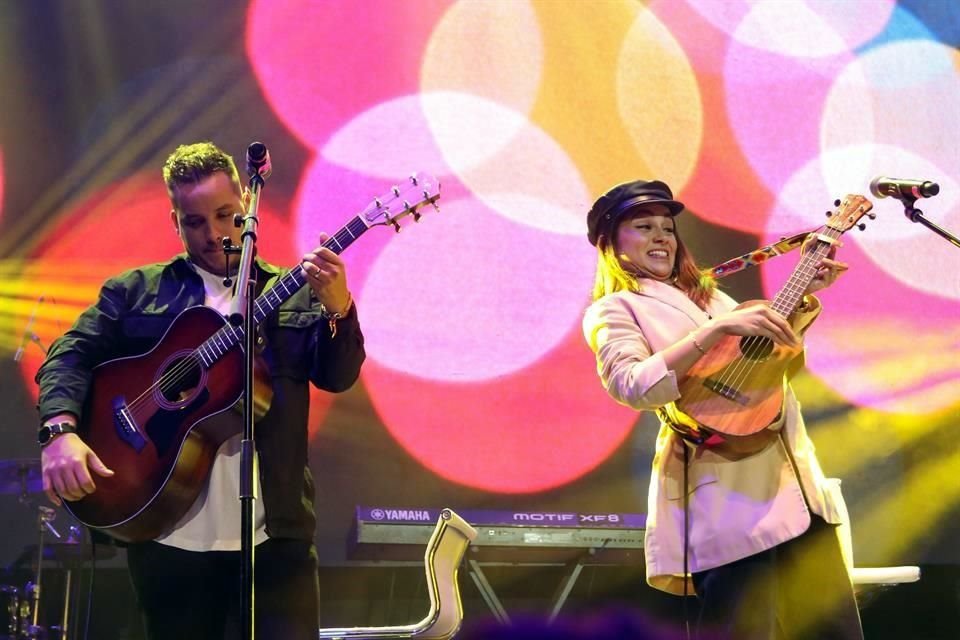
43,436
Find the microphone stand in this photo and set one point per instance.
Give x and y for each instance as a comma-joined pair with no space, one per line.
241,313
915,215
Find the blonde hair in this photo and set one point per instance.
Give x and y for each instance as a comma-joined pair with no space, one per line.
611,276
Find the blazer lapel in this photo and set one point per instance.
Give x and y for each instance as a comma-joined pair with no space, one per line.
671,296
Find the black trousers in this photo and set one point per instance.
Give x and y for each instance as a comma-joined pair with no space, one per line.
186,594
797,590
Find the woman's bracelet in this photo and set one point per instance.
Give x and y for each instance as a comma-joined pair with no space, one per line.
697,344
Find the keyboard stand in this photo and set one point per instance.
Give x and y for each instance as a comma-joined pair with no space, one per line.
573,569
487,593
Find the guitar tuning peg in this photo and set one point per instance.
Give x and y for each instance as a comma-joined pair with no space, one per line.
435,206
872,215
862,227
416,215
413,179
836,202
828,214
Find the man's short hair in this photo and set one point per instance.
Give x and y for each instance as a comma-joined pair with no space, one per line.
191,163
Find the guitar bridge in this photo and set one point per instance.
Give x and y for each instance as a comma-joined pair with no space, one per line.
726,391
125,426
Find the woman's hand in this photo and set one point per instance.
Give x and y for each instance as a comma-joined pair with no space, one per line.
754,320
828,269
827,273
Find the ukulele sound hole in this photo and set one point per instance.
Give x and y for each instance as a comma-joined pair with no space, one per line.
756,347
181,379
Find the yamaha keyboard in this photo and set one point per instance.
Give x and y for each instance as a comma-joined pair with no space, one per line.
381,533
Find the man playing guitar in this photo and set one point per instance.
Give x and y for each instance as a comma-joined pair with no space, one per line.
186,572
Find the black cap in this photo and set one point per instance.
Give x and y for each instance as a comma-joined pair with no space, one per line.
610,207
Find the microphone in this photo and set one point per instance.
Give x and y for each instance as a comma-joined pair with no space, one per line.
28,334
258,161
883,187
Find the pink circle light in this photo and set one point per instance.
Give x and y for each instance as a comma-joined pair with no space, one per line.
873,343
530,431
472,296
774,104
799,28
723,187
317,69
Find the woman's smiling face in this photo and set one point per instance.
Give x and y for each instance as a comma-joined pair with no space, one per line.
647,242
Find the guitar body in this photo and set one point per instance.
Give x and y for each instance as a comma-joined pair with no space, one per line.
159,439
736,389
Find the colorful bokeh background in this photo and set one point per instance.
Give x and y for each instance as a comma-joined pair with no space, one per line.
479,390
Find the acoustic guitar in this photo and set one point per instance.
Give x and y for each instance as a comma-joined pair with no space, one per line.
158,419
736,390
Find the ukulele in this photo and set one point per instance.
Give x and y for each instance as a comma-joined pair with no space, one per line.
736,390
157,419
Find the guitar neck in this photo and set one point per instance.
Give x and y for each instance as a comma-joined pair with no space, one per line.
791,294
229,336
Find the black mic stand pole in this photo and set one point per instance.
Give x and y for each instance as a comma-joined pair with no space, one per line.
241,313
915,215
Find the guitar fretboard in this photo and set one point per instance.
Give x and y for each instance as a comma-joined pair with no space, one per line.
229,336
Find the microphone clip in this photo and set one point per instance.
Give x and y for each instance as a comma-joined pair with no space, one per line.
228,249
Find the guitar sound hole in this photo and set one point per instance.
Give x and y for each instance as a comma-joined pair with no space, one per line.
180,380
756,347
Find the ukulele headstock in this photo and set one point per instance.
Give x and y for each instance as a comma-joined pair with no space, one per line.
848,213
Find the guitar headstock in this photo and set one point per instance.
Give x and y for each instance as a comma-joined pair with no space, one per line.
848,213
402,200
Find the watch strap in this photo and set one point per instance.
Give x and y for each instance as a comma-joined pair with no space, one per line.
50,431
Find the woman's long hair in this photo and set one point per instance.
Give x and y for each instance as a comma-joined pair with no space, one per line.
612,276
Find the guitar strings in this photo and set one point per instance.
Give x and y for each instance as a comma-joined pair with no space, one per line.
184,368
170,380
748,362
737,372
343,238
736,377
194,360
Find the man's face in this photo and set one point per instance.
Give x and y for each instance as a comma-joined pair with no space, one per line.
203,216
